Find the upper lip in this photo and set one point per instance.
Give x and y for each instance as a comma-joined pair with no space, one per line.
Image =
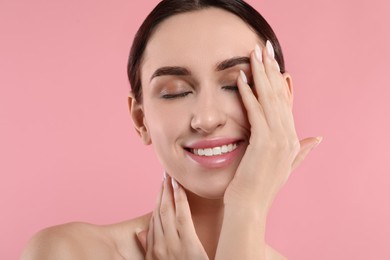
212,142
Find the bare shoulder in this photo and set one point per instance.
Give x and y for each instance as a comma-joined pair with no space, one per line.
69,241
86,241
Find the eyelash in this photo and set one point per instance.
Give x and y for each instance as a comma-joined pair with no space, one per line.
184,94
234,88
231,88
172,96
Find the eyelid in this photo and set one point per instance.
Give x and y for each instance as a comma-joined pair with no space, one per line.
170,89
176,95
231,87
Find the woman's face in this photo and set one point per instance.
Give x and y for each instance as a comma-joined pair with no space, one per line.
191,111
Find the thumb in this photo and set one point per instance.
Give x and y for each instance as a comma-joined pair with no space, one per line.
306,146
142,235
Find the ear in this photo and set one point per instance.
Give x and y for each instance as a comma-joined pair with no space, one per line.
289,84
138,116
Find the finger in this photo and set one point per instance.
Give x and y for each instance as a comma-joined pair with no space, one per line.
151,236
168,216
253,107
280,87
159,240
272,70
149,241
184,223
142,236
306,146
266,95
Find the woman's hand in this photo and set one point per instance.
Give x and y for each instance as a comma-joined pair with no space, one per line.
274,150
171,233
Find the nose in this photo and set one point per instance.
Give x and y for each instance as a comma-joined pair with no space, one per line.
208,114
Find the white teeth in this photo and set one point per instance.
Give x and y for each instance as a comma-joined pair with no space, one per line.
224,149
215,150
208,152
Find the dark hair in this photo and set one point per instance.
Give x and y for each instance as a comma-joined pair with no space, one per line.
167,8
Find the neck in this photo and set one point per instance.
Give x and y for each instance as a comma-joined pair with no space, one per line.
207,215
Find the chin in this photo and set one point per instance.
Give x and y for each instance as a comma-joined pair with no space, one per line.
213,190
206,195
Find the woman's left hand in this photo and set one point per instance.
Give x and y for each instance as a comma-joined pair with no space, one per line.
274,150
171,233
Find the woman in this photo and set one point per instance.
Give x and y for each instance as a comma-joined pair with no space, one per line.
210,92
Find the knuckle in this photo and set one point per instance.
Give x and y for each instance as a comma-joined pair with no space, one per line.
164,209
281,145
181,220
159,252
272,94
175,251
282,95
272,98
277,144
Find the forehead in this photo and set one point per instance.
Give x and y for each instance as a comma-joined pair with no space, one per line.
198,38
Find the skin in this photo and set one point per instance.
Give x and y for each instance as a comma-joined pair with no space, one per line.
210,211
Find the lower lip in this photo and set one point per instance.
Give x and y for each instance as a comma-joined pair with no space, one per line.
217,161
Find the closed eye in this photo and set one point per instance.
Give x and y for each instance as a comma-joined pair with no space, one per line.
173,96
234,88
230,88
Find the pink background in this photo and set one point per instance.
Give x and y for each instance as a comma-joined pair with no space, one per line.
68,150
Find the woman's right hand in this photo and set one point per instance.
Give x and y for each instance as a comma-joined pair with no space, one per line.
171,233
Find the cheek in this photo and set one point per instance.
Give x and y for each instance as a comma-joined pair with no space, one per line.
166,123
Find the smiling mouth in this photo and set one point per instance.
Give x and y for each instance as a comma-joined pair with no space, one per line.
214,151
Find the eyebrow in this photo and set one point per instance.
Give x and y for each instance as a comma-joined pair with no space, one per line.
182,71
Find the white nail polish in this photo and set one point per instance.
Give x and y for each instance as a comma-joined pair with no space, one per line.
277,64
243,77
270,49
258,54
164,175
174,184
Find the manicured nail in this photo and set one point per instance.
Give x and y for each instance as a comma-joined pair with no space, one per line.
277,64
258,53
270,49
243,77
174,184
130,94
319,140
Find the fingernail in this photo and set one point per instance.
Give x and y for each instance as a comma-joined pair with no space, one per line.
243,77
258,53
319,140
174,184
164,175
130,94
270,49
137,231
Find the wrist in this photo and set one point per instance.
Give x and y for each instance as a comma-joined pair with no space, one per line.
247,212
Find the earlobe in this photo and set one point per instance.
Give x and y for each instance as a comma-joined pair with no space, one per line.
289,84
138,117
